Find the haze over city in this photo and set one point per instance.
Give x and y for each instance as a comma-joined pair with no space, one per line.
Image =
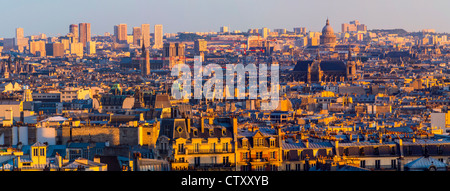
51,17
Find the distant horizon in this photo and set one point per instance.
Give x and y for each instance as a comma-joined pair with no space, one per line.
53,17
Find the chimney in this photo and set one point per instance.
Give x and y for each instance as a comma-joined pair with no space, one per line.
414,140
202,124
306,143
188,121
400,160
351,137
235,124
336,147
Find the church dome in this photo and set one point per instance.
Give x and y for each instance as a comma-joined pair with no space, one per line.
327,29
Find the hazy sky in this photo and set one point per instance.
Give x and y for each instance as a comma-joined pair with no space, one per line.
53,17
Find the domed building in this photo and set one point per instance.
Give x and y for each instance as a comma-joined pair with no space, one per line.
328,38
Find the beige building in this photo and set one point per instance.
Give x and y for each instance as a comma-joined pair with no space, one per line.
158,37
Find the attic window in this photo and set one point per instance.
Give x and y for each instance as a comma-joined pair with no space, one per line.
195,132
180,129
244,142
211,132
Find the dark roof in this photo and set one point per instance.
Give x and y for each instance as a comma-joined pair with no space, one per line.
112,163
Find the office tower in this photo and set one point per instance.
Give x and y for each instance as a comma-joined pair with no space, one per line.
280,31
20,41
55,49
353,26
200,45
76,49
145,62
120,33
264,32
91,47
300,30
145,32
84,33
158,37
37,48
73,30
224,29
137,36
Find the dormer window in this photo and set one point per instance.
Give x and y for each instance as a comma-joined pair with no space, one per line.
259,142
195,132
224,132
272,142
244,142
211,132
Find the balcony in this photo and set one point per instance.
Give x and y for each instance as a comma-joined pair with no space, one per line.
209,151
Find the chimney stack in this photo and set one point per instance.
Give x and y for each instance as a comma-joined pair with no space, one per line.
202,124
336,147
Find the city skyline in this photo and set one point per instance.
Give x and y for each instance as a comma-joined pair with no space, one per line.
249,14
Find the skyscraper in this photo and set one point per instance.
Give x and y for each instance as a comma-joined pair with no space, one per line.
120,32
37,48
145,31
73,29
85,33
21,42
264,32
300,30
137,36
54,49
91,47
224,29
158,37
77,49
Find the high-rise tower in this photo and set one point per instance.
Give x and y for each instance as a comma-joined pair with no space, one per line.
85,33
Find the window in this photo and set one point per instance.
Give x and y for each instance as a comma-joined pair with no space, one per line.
273,167
225,160
211,132
273,155
195,132
245,156
272,142
181,148
225,147
258,155
394,164
214,160
244,142
42,153
197,161
259,142
224,132
297,167
213,147
377,164
362,164
196,147
288,167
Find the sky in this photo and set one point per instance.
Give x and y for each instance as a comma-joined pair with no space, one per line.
53,17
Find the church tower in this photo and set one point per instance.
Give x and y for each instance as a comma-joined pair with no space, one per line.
351,65
145,63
